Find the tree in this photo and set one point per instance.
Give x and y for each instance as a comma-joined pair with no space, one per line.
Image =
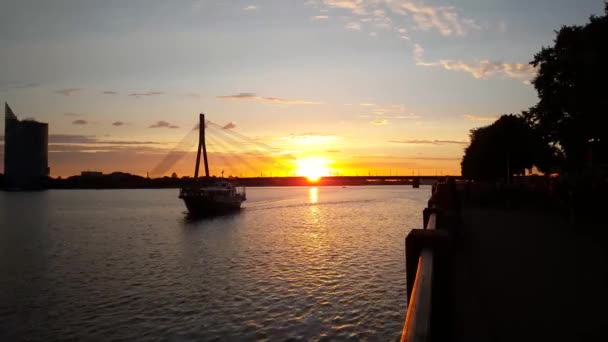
571,86
504,148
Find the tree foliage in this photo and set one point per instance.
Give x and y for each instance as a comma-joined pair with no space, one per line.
506,147
571,85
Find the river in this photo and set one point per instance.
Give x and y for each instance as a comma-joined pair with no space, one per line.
322,263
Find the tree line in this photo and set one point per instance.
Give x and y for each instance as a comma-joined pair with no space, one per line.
565,132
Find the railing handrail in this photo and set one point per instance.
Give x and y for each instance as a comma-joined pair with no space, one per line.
417,327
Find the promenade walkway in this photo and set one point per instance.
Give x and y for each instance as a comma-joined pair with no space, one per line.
519,275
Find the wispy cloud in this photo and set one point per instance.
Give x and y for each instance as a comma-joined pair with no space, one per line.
250,8
4,85
118,123
163,124
149,93
502,26
394,111
446,20
430,142
355,6
471,117
73,114
319,17
353,26
486,68
481,69
109,92
418,53
380,122
68,91
78,139
310,138
80,122
229,125
253,96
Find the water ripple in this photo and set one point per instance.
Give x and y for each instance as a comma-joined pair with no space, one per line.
126,265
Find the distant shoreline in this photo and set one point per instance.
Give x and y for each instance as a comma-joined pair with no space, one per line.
128,181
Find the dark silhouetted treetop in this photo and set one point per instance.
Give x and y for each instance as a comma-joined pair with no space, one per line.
572,87
500,150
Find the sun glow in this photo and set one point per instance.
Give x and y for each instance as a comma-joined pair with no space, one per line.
313,168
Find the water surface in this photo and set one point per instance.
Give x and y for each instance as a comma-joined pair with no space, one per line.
304,263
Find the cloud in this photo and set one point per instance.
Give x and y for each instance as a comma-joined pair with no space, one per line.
486,68
393,111
319,17
118,123
78,139
471,117
418,53
229,125
73,114
253,96
357,7
68,91
446,20
373,34
149,93
239,96
307,139
250,8
80,122
193,95
163,124
380,122
353,26
71,139
65,148
4,85
481,69
109,92
430,142
502,26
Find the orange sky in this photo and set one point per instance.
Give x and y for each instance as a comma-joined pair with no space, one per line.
368,86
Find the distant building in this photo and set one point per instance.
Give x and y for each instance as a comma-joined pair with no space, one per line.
91,174
25,151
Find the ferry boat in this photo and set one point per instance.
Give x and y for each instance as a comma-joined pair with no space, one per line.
207,195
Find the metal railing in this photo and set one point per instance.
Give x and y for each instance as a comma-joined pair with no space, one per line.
417,325
426,267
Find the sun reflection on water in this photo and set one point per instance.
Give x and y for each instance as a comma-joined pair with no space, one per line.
313,195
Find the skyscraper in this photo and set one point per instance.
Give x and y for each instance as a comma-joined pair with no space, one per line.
25,151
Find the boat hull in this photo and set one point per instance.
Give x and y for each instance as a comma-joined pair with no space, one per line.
204,207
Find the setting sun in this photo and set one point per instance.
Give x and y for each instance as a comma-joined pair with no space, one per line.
313,168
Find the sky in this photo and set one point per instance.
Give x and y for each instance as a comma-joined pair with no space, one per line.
350,87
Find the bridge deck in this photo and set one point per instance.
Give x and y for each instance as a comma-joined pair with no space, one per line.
519,275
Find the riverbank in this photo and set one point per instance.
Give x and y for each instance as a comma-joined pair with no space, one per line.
119,180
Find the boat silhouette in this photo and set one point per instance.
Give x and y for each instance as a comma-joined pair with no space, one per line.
210,195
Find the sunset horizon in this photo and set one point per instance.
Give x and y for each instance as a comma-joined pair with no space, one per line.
367,87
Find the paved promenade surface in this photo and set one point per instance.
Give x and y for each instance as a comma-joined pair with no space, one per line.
528,276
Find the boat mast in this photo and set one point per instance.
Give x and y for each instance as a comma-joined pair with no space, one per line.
201,143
